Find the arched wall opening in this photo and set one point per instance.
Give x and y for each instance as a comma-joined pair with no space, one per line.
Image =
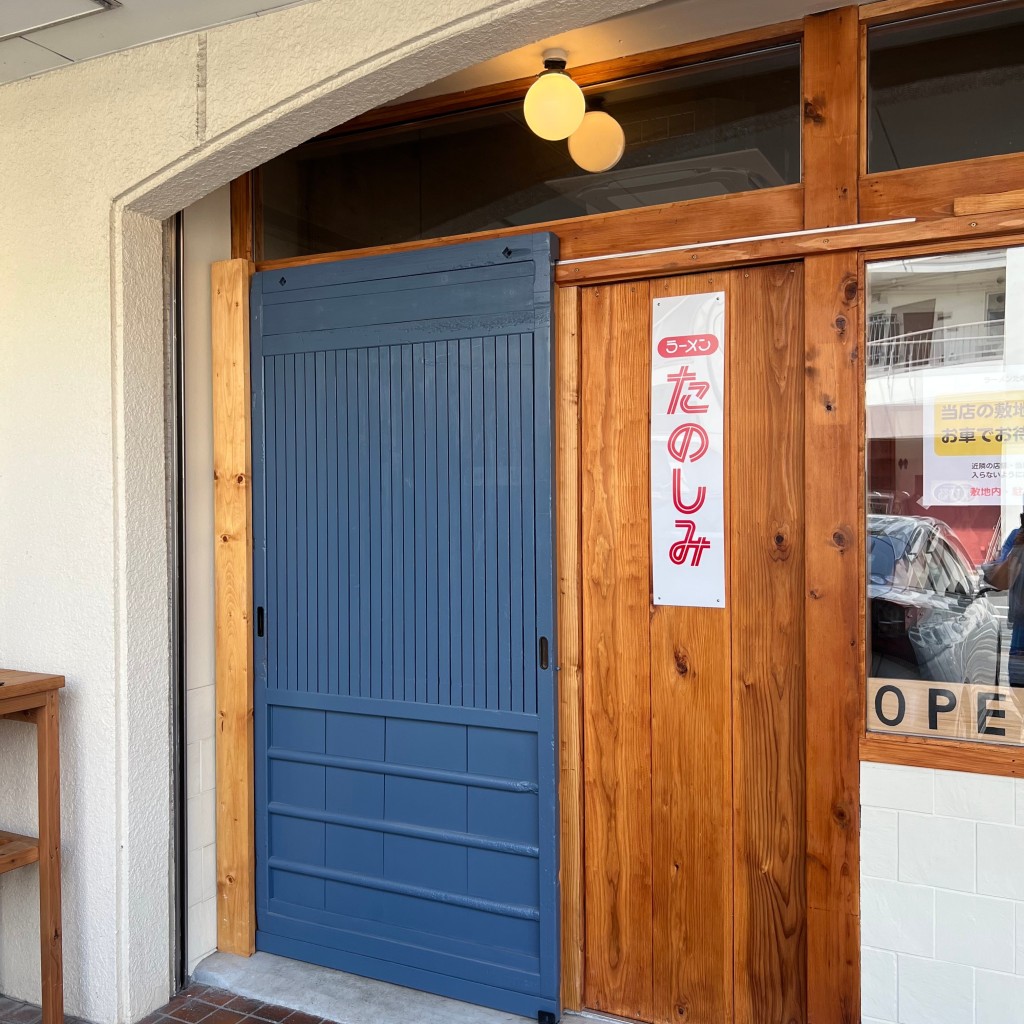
286,117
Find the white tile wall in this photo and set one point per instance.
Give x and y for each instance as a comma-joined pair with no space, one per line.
1001,860
903,789
879,842
999,998
942,897
974,930
878,970
931,991
897,917
936,851
975,797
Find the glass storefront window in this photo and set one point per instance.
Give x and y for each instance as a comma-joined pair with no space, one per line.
946,87
712,129
945,501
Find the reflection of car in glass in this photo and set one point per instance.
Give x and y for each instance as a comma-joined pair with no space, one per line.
930,617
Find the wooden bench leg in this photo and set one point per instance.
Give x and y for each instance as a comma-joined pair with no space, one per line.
49,862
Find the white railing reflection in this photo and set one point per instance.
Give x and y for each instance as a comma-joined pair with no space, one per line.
890,350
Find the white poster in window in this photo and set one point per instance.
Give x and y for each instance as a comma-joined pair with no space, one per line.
687,446
973,436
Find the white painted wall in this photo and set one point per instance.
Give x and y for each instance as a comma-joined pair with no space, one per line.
207,238
92,156
942,897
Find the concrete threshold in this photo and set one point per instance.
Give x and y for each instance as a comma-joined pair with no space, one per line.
346,998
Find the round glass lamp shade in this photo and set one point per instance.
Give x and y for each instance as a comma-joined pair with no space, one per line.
598,143
554,106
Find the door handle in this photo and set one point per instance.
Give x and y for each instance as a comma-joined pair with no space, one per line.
542,653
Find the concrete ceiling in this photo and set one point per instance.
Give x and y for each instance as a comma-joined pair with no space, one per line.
79,29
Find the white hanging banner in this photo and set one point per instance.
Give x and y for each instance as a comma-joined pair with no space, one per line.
687,446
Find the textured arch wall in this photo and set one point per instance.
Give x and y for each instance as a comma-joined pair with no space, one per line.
92,158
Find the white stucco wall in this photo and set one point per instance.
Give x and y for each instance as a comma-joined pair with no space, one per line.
91,156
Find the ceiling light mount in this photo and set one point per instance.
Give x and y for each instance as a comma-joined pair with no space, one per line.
555,60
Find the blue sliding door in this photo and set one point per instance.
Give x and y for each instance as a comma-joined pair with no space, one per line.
406,803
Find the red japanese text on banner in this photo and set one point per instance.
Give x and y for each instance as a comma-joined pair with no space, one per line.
687,467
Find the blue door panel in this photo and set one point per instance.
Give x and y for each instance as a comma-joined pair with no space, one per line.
405,733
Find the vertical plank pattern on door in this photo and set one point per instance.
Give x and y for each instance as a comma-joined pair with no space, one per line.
616,615
691,770
767,565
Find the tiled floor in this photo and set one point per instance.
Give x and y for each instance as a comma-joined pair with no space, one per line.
14,1012
198,1004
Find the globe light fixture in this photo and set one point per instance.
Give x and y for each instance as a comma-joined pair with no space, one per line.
598,143
554,105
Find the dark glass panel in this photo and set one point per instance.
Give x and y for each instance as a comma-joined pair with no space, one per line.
721,127
946,88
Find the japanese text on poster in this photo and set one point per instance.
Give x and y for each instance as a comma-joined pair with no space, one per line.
974,437
687,468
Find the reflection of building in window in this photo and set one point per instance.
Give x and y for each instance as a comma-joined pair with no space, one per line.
945,469
932,316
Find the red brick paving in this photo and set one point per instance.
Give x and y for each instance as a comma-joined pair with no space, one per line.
198,1004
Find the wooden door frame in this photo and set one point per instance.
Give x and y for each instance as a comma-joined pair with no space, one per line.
836,192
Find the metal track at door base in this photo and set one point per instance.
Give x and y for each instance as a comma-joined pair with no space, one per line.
594,1017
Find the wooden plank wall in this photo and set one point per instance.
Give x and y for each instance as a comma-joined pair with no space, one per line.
700,907
616,649
232,463
691,703
570,638
767,569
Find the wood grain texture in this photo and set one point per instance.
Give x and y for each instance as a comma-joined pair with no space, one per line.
834,514
862,118
570,639
232,460
983,229
14,683
614,70
242,195
691,770
948,755
50,931
831,114
993,202
16,851
931,192
616,649
896,10
767,569
697,220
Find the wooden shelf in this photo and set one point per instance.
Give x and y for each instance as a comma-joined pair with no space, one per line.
17,851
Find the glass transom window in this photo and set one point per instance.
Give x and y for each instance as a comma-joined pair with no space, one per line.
712,129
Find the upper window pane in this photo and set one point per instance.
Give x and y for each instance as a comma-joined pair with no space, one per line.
945,502
946,88
725,126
